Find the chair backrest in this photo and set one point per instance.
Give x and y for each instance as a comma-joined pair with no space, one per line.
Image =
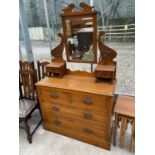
29,78
20,87
26,65
42,69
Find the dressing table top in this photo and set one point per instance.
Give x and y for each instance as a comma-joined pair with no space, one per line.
80,81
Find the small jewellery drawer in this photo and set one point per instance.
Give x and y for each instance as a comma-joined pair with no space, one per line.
105,74
71,124
86,116
53,95
87,101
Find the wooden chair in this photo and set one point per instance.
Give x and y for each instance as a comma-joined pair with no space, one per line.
42,69
26,65
20,87
28,102
22,66
125,113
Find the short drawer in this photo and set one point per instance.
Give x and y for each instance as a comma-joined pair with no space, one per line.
53,95
91,102
74,125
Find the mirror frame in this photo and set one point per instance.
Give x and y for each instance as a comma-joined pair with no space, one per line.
87,12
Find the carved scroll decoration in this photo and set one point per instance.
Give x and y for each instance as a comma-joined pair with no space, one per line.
106,53
69,8
85,9
57,52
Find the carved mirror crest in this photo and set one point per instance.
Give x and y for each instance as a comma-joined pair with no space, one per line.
80,33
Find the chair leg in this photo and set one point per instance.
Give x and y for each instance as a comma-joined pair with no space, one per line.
29,117
27,128
39,110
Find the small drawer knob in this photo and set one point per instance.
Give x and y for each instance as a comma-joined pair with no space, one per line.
88,130
87,101
53,94
55,108
57,121
88,115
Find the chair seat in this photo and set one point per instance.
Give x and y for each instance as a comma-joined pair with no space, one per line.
26,106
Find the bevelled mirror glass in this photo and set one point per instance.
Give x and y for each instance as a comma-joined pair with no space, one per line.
80,34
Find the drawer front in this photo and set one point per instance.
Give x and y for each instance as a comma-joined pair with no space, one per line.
69,123
104,74
52,69
91,102
53,95
97,118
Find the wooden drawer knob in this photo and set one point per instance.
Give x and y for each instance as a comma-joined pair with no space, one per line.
87,130
57,121
53,94
87,101
88,115
55,108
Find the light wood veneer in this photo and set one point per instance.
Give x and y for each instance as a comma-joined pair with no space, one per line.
78,107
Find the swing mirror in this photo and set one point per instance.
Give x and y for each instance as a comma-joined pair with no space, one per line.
79,28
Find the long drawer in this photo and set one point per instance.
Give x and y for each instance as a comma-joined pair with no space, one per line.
85,138
66,122
97,118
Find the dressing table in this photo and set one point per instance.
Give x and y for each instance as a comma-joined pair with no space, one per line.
75,103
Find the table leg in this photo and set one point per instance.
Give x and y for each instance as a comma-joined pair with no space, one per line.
132,136
123,131
115,129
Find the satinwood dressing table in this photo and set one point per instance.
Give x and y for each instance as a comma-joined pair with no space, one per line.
75,103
